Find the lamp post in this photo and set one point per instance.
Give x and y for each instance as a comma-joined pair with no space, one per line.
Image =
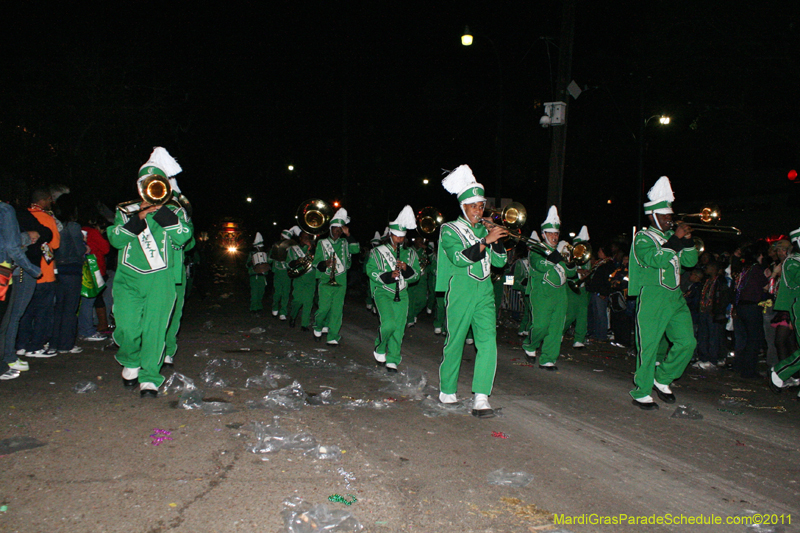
663,120
466,40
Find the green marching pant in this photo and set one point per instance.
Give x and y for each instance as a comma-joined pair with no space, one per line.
175,322
663,312
789,366
331,304
283,288
417,298
578,312
393,323
143,305
467,297
525,318
303,297
548,309
258,286
438,317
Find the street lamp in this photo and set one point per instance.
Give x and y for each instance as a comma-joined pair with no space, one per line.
663,120
466,38
291,168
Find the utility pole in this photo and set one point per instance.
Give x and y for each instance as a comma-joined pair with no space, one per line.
558,148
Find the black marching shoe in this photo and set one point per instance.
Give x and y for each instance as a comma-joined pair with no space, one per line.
147,393
391,368
130,383
303,328
666,397
130,377
291,322
549,367
649,406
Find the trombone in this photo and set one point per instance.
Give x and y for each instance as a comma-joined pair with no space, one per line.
707,215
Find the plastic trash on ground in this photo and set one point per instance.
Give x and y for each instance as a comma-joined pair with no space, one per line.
208,325
309,360
17,444
323,398
370,404
410,382
211,379
177,383
509,479
329,452
202,353
83,387
256,331
354,367
262,382
269,438
190,399
217,408
764,528
432,407
291,398
299,516
686,411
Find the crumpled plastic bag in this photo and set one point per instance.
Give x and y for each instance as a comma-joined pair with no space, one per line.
290,398
323,398
271,438
509,479
325,452
217,408
370,404
211,379
686,411
432,407
177,383
268,378
410,382
309,360
82,387
299,516
764,528
191,399
202,353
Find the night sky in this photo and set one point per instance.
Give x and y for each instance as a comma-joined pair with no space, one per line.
366,99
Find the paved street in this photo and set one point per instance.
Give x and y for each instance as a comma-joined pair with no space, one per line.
588,449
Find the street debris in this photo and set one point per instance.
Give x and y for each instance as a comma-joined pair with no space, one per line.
17,444
338,498
432,407
82,387
509,479
159,436
499,435
686,411
325,452
299,516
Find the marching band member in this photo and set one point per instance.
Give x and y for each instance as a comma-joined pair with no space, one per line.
418,290
258,280
304,286
467,251
171,345
657,255
144,287
578,303
521,268
390,268
547,287
333,259
375,241
787,300
281,282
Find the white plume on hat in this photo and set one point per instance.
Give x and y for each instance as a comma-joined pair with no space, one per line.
160,158
460,180
296,231
552,223
340,218
258,240
404,222
174,183
583,235
535,236
662,190
377,236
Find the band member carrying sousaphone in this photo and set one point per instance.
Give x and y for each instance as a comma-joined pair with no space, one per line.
390,268
257,268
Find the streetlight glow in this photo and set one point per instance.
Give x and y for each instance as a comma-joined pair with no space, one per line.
425,181
466,39
249,200
290,167
663,119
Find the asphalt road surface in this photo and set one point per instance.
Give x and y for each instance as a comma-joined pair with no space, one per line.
102,466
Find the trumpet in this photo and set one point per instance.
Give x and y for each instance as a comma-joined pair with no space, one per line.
313,216
332,282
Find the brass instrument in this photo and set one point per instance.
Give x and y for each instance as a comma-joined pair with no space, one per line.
512,217
332,282
428,220
280,250
313,216
580,254
706,216
155,190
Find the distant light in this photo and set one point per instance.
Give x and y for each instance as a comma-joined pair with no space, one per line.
571,235
336,204
609,201
274,223
664,119
466,39
232,249
425,181
290,167
792,175
249,200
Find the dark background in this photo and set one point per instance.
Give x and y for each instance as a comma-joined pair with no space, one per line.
366,99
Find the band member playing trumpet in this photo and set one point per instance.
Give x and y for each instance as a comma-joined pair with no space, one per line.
390,268
333,258
303,286
149,238
547,289
467,251
657,255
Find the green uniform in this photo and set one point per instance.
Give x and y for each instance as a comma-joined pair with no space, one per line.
789,300
380,264
547,290
521,267
331,298
180,297
282,286
578,312
464,275
430,270
661,309
417,293
144,285
303,287
498,285
258,284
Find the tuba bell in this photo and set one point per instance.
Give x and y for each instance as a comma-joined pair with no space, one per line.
313,216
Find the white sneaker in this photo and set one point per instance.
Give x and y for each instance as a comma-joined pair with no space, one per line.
778,382
21,351
663,388
379,357
317,334
429,311
282,317
548,365
325,329
333,343
791,382
148,386
9,374
470,341
274,313
130,373
437,331
578,345
74,349
43,353
531,354
95,337
448,398
20,365
168,360
481,403
391,365
369,307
